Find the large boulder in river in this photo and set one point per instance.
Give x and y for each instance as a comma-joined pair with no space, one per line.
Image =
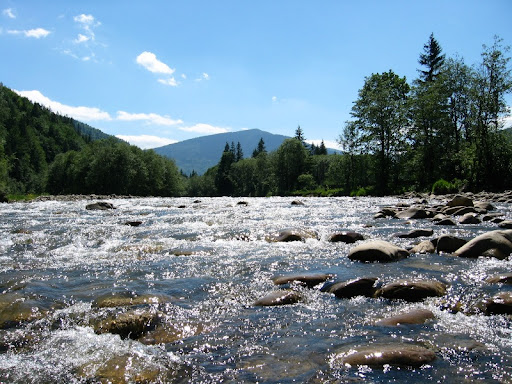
412,290
309,281
425,246
294,235
490,244
500,304
413,213
448,243
377,251
352,288
131,324
279,298
460,201
99,206
397,354
346,237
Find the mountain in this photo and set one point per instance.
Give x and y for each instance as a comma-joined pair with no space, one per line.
204,152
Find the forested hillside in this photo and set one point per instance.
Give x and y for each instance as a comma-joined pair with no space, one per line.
42,152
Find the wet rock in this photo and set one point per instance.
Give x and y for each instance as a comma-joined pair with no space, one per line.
491,216
505,278
484,205
99,206
133,223
307,280
424,247
347,289
505,224
403,355
446,221
416,316
386,212
170,333
377,251
414,233
295,235
496,244
182,206
448,243
15,310
439,217
346,237
123,299
412,290
413,213
500,304
297,202
244,203
460,201
469,218
130,368
131,324
279,298
459,211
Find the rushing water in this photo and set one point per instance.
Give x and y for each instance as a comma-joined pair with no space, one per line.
205,264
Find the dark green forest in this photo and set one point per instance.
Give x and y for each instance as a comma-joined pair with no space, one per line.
42,152
441,132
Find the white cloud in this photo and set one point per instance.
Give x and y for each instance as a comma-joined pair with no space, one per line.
147,141
9,13
204,76
85,19
81,39
274,99
36,33
79,113
149,61
204,128
171,81
150,118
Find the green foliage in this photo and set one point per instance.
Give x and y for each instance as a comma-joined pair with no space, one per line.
443,187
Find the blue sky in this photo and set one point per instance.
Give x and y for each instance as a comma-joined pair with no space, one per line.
156,72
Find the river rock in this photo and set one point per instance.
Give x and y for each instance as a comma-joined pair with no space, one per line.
490,216
446,221
448,243
412,290
414,233
297,202
170,333
123,299
279,298
294,235
415,316
404,355
413,213
469,218
307,280
501,304
505,224
377,251
460,201
505,278
484,205
425,246
131,324
15,310
133,223
346,237
490,244
459,211
99,206
347,289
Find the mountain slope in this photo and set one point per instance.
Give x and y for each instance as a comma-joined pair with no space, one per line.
204,152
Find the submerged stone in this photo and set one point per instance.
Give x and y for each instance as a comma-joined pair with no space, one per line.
131,324
416,316
414,233
99,206
406,355
345,237
123,299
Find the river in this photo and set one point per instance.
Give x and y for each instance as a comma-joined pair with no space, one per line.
196,268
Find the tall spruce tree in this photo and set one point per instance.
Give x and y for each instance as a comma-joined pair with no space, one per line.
432,58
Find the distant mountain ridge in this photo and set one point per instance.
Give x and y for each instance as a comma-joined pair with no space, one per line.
201,153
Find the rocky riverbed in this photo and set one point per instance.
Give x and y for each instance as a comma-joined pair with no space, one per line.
106,289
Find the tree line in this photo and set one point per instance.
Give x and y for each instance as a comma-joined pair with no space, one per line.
443,131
